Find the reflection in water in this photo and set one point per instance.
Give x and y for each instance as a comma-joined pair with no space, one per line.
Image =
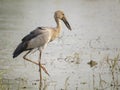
95,36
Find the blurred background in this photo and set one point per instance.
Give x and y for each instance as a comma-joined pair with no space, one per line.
87,58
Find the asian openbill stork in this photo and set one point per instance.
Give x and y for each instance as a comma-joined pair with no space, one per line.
39,38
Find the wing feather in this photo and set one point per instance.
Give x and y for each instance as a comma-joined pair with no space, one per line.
33,34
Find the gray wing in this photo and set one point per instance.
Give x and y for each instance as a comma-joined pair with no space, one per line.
33,34
36,38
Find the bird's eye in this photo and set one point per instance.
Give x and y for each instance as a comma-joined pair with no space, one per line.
63,14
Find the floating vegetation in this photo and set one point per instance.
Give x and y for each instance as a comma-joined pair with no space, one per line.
92,63
75,58
83,83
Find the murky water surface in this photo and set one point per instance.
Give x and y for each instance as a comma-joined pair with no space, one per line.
86,58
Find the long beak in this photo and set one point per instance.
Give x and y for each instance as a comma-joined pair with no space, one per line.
66,23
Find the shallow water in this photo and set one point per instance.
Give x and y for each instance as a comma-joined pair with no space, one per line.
95,37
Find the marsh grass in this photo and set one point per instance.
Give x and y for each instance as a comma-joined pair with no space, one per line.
114,70
2,86
107,67
66,83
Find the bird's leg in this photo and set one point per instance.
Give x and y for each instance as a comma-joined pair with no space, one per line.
40,71
25,58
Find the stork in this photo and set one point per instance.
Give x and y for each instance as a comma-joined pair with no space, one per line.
39,38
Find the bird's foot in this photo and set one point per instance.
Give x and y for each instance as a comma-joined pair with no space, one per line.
44,69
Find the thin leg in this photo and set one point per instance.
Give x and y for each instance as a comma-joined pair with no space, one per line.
40,70
44,69
24,57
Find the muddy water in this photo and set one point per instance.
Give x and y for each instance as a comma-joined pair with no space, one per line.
94,40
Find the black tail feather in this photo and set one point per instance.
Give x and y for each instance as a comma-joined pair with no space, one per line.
20,48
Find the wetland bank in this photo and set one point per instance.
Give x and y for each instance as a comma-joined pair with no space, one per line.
86,58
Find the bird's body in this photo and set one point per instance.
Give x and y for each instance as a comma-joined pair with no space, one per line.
40,37
35,39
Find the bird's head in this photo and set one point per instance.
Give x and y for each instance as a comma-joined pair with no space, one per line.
60,15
